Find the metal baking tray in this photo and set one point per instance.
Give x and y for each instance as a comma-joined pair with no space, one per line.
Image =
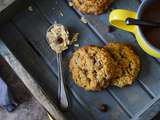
25,33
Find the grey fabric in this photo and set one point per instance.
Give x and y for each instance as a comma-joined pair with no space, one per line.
6,99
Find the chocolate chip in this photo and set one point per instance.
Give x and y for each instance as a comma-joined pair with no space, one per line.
94,72
111,28
103,108
85,71
59,40
94,60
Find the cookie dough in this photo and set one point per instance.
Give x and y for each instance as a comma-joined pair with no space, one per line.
92,68
58,38
92,6
128,63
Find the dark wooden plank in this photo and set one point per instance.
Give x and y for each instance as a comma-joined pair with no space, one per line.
132,97
46,10
79,111
93,101
31,61
38,22
52,11
150,110
97,24
100,23
35,33
36,66
30,82
8,8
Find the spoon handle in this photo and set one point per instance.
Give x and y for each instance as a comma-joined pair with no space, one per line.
62,91
131,21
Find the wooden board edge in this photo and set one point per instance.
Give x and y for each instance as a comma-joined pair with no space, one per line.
30,83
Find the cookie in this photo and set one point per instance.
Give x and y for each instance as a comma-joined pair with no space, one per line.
128,63
92,68
92,6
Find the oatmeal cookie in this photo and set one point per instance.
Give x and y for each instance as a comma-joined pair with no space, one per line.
92,68
92,6
127,62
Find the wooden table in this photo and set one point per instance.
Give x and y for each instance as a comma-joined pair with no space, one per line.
25,34
29,108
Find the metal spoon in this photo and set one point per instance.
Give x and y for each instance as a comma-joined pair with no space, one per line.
62,91
131,21
62,95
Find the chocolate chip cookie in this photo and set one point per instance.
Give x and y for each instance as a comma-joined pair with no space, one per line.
92,6
92,68
127,62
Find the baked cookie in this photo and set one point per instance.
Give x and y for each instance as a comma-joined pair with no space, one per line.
128,63
92,6
92,68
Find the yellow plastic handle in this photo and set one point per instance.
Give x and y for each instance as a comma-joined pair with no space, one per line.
117,18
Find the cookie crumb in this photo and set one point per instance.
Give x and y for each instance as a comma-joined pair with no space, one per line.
76,45
68,42
84,20
61,14
30,8
103,108
74,38
70,4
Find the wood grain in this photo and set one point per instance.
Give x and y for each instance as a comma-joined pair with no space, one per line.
35,89
127,103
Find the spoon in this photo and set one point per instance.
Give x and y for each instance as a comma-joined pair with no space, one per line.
132,21
62,91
